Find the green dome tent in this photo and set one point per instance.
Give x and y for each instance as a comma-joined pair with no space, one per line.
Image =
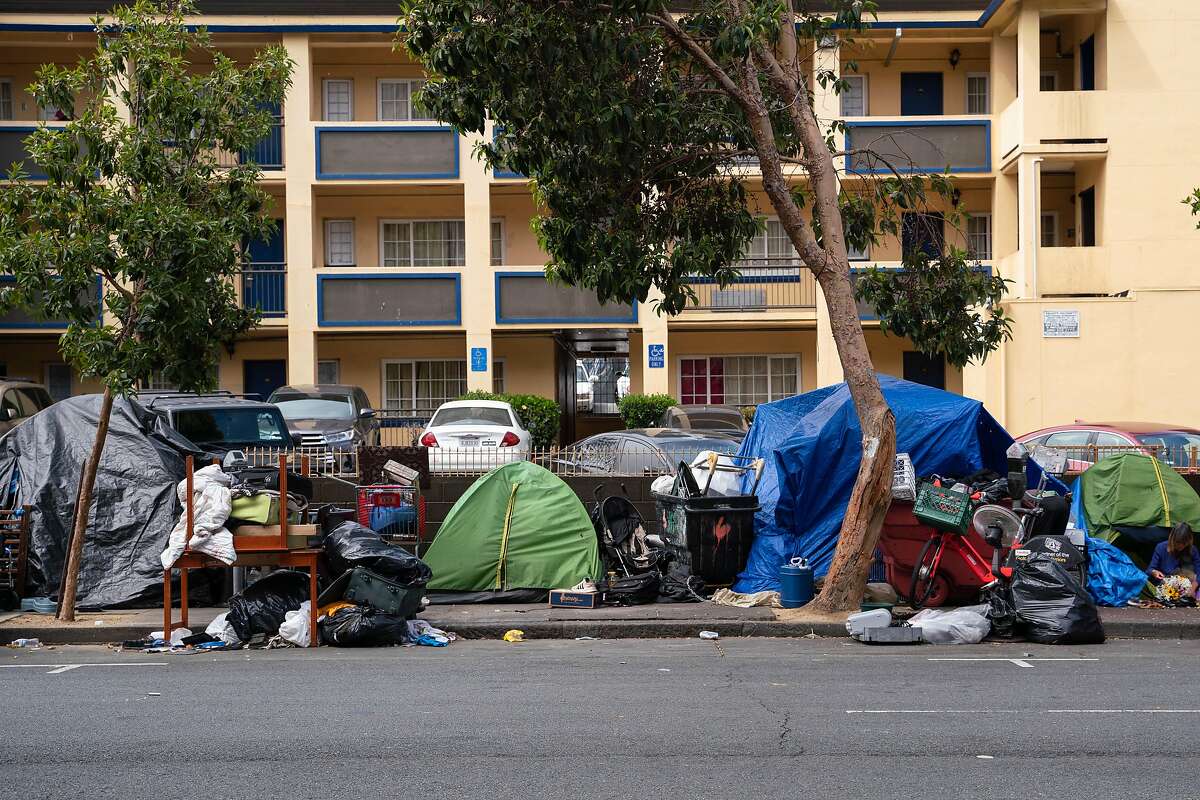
1133,500
517,527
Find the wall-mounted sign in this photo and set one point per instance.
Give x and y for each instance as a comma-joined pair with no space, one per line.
1060,324
656,355
478,359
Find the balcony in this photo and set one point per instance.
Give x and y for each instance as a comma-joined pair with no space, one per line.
264,286
389,299
765,284
21,318
267,154
12,147
358,151
923,144
1049,121
1074,270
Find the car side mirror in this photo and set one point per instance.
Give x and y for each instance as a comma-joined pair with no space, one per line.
10,413
367,413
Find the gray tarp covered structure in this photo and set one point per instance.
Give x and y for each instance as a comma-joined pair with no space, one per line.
134,505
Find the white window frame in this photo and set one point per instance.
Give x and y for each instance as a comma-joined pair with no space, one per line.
337,367
413,85
503,364
12,100
503,244
325,82
411,242
329,262
1048,73
987,93
1042,229
383,382
785,267
866,103
709,356
980,215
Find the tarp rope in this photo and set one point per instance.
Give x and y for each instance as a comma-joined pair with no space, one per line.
508,512
1162,489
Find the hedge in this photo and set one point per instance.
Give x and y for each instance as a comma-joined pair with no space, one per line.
644,410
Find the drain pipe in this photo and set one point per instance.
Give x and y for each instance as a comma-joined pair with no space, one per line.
1037,220
887,62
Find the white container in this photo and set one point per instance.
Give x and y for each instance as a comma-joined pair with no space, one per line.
875,618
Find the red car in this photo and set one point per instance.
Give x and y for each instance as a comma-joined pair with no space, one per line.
1086,442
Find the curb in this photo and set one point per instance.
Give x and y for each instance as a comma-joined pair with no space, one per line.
603,629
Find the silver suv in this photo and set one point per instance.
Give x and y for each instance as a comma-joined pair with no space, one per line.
20,399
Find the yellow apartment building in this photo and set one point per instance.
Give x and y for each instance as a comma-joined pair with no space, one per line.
406,267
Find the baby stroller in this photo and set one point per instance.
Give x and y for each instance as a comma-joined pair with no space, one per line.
624,544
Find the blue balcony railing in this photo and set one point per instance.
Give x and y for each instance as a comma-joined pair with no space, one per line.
264,286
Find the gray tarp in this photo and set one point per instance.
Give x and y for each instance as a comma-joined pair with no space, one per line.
134,505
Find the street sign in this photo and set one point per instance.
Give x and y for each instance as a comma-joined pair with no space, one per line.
657,354
1060,324
479,359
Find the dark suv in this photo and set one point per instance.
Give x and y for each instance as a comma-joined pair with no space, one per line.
329,415
20,399
220,422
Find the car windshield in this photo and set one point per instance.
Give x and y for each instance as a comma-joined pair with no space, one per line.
1174,447
325,406
716,420
242,426
471,415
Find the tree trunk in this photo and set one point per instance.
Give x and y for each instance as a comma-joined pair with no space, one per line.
872,493
87,483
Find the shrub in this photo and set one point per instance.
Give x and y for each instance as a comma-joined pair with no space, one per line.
539,415
643,410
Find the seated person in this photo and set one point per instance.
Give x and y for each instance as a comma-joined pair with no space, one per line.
1176,556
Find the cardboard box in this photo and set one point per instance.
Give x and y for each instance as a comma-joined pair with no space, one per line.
258,536
566,598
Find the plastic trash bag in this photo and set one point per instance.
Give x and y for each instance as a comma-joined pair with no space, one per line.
261,608
295,628
221,629
1000,611
211,504
1051,606
725,482
1113,579
352,545
966,625
663,484
362,626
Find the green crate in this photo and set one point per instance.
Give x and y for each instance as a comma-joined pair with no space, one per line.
941,508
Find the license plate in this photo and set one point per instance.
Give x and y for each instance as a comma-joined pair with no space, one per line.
469,442
489,443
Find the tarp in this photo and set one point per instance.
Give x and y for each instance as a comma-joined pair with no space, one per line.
517,527
1113,579
134,505
812,444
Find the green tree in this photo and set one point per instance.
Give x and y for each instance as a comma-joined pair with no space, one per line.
635,123
135,195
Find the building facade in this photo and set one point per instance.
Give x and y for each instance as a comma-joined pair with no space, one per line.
404,266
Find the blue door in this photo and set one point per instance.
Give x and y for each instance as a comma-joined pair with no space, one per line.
920,94
264,280
262,377
268,153
1087,64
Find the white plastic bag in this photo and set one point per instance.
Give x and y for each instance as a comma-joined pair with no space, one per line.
212,501
663,484
222,629
295,627
725,482
966,625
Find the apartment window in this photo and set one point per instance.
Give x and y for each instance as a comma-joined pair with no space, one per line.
339,242
329,371
338,94
771,247
854,97
1049,229
397,99
859,253
978,101
422,243
738,380
157,383
497,242
1048,82
979,236
419,387
498,377
6,98
58,381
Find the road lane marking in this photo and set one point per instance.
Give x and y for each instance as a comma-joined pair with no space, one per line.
1023,711
1020,662
58,669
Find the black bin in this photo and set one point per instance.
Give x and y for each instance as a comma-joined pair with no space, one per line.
710,536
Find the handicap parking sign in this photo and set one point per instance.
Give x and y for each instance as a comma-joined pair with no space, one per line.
657,355
479,359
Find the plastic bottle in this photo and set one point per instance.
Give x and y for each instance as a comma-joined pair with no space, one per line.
26,643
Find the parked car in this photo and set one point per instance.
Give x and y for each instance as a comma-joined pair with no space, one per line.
219,422
1084,442
328,415
727,419
641,451
475,436
20,399
583,388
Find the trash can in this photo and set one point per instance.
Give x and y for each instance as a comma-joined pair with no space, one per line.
709,536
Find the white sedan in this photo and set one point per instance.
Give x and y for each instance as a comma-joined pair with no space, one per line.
474,436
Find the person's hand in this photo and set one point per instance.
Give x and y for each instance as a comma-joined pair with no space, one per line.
1157,575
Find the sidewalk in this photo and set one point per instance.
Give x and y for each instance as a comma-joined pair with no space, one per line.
682,620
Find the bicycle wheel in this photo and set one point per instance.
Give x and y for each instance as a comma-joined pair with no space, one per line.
924,575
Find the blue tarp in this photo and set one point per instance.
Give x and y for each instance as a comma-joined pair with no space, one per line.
812,445
1113,579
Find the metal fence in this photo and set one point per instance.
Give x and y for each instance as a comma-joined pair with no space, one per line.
764,284
1182,458
264,286
267,153
320,461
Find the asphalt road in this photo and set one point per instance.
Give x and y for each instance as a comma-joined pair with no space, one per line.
741,718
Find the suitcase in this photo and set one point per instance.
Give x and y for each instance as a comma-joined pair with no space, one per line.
363,587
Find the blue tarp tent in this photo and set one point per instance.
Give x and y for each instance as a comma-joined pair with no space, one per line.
812,445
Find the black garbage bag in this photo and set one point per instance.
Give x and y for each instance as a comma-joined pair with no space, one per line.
352,545
1000,611
1052,607
362,626
260,608
631,590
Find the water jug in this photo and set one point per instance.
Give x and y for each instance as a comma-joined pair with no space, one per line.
795,583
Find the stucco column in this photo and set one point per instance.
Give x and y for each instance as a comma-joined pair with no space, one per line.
827,105
1029,50
655,358
829,366
1029,170
478,284
299,153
